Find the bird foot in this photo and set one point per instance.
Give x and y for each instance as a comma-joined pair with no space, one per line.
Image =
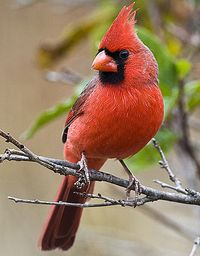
133,181
84,179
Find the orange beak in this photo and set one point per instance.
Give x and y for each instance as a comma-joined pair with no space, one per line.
105,63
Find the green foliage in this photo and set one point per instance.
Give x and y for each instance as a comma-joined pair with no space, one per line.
49,115
168,72
192,91
54,112
183,68
170,102
167,68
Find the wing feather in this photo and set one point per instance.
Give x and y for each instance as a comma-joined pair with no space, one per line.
78,108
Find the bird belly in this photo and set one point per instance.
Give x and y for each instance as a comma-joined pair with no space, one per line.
115,129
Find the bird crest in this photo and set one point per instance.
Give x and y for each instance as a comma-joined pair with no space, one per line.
121,33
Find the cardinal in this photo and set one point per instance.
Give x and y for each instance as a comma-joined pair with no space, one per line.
115,116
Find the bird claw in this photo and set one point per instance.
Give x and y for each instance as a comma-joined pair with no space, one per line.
84,179
133,181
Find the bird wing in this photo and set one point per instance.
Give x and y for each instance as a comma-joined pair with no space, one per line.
78,107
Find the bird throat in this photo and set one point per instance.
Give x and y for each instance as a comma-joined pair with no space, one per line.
112,78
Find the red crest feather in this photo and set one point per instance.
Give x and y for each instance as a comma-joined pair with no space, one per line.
121,33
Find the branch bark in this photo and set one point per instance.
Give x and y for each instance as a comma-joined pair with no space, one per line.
66,168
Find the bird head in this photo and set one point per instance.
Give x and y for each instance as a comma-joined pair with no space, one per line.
122,55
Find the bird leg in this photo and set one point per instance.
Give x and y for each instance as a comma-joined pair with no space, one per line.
133,181
85,179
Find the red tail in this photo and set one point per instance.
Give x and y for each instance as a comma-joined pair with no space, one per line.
63,221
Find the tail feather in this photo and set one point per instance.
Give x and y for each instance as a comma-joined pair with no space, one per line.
63,221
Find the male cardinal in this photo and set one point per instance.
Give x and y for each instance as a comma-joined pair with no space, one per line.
115,116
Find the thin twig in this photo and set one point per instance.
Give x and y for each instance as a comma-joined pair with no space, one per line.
196,245
107,202
98,196
165,185
60,203
132,202
164,164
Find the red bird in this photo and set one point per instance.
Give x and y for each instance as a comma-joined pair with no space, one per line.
115,116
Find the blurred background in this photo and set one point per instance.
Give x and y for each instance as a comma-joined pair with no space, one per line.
46,53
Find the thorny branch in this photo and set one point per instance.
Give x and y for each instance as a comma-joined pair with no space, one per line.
187,196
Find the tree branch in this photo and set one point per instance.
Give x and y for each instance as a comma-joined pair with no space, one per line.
60,203
106,201
164,164
65,168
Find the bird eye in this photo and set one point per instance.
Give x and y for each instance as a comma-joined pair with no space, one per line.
124,54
